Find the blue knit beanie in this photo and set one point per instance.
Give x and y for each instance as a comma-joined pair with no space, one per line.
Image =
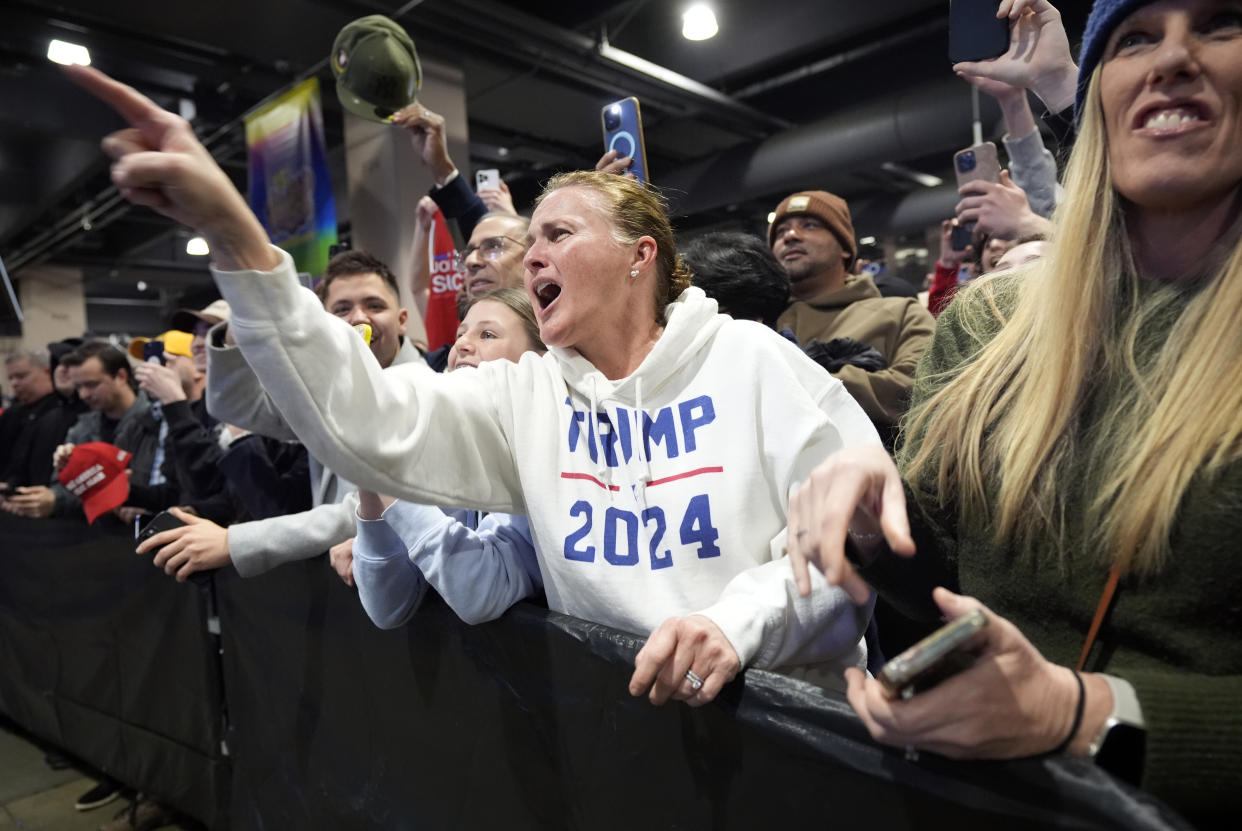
1105,15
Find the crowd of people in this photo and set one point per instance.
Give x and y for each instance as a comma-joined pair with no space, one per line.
735,450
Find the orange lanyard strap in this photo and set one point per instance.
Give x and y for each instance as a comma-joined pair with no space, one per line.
1101,612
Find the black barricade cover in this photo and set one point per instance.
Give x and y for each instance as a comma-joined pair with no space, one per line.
108,658
525,722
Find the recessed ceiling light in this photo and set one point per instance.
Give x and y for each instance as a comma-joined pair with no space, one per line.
63,52
925,179
867,241
699,22
197,247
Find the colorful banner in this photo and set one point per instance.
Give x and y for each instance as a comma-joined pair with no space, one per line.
290,188
446,281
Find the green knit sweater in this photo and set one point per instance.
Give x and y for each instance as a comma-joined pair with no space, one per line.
1176,637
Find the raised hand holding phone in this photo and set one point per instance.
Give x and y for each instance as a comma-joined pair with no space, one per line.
1038,57
1000,209
977,163
975,31
489,178
498,199
623,133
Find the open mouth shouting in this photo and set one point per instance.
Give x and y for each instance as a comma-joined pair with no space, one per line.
545,291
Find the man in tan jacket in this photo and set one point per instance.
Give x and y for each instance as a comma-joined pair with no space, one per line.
813,239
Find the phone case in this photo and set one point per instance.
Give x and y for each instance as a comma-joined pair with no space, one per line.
153,350
962,236
623,132
977,163
932,659
975,33
163,521
486,179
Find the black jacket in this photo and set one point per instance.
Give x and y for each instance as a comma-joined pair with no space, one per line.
29,435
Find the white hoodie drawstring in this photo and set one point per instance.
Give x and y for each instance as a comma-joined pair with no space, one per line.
644,476
602,473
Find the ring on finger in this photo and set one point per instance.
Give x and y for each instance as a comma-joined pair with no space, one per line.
696,683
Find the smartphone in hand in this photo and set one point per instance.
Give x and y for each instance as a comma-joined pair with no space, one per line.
961,236
163,521
153,352
166,521
489,178
975,33
978,163
941,654
623,132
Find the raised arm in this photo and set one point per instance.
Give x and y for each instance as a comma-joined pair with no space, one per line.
420,259
1033,167
451,192
1038,58
438,440
158,162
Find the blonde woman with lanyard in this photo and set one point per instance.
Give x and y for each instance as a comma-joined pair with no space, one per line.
1073,456
652,449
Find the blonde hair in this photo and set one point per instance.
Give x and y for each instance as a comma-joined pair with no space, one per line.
635,211
518,302
1010,416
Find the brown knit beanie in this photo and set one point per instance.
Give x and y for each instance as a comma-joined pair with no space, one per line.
826,207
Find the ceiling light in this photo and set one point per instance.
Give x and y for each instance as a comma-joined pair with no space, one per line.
771,217
699,22
62,52
925,179
867,241
197,246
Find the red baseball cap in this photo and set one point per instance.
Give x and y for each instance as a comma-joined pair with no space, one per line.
95,473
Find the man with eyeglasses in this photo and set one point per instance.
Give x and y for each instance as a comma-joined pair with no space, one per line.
493,257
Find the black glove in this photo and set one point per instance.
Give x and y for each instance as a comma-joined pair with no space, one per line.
841,352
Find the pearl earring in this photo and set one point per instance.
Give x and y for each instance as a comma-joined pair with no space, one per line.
634,273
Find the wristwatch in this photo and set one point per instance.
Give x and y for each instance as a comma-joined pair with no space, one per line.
1120,746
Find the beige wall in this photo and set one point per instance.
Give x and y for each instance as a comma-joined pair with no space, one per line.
54,306
386,178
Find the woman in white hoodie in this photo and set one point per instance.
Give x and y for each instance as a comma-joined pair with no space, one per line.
653,447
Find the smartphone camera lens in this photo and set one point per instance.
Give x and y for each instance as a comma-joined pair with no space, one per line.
612,118
966,162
